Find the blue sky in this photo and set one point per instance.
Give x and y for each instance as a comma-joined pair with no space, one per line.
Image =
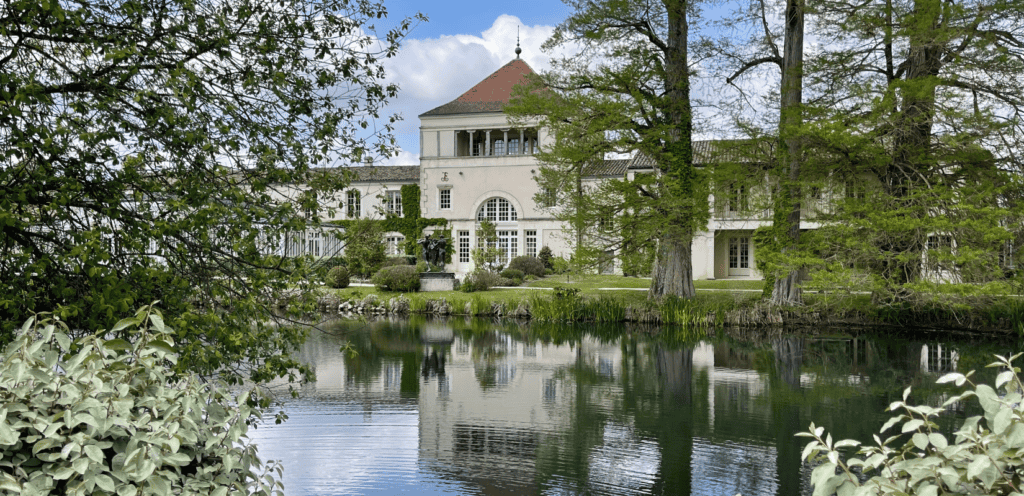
462,43
465,41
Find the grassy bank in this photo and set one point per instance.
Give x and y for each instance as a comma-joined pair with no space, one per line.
603,298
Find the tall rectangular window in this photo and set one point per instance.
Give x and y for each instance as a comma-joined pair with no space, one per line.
739,253
444,199
393,245
738,198
513,146
353,200
313,243
499,147
464,246
393,203
531,243
508,246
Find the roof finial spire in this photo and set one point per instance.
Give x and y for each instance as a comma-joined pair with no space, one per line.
518,50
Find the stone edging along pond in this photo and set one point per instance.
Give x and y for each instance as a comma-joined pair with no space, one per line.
677,312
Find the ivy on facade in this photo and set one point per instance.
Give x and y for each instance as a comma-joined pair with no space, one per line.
411,225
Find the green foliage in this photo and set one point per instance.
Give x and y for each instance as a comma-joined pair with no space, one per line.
364,247
638,262
636,101
513,274
528,265
480,280
545,256
399,278
411,228
982,458
111,416
337,277
393,261
560,265
140,163
486,257
411,201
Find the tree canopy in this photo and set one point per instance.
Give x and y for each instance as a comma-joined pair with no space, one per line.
147,146
627,89
916,121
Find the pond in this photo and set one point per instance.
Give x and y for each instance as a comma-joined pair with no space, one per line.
485,407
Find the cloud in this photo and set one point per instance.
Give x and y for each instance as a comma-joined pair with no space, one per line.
403,158
435,71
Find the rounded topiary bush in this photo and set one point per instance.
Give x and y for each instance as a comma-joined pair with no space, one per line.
112,417
402,278
337,277
528,266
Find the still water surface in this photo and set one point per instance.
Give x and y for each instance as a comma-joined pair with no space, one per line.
482,407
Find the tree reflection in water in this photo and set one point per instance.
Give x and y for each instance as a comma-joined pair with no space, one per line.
510,408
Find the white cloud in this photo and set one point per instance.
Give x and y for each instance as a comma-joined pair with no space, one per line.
435,71
403,158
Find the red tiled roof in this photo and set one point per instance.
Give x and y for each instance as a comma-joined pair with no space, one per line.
489,95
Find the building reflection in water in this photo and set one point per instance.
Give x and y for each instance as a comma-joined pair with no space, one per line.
508,412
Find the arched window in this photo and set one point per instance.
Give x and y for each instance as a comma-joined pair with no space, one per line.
497,210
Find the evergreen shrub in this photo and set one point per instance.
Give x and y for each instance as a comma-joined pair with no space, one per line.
112,417
533,266
545,257
399,278
338,277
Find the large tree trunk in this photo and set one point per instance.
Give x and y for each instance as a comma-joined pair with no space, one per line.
673,269
912,153
786,290
673,272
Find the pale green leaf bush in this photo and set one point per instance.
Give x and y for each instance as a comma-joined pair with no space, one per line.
101,417
984,456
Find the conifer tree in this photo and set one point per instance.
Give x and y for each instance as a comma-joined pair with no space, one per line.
628,90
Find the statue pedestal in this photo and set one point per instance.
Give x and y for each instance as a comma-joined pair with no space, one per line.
437,281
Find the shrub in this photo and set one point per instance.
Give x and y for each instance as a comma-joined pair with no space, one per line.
512,274
401,278
422,267
113,418
480,280
364,247
507,282
984,457
528,265
560,265
393,261
337,277
545,257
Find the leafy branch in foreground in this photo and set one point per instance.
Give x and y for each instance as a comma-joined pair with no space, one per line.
985,456
111,416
